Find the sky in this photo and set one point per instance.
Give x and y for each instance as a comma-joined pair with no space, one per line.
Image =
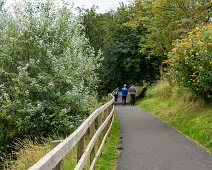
104,5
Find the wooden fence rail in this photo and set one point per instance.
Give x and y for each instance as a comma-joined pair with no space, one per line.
53,159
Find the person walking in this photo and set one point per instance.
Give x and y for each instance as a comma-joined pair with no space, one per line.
132,91
116,94
124,91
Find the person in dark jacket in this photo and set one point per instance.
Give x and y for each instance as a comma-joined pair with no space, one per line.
116,94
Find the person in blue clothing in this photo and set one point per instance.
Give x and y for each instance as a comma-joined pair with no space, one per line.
124,91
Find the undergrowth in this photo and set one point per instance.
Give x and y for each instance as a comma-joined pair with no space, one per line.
31,152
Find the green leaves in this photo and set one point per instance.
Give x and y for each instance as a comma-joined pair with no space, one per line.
47,71
190,61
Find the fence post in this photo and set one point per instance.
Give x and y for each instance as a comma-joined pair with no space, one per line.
109,123
108,96
99,124
81,144
59,166
92,132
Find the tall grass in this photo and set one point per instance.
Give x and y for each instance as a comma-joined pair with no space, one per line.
29,153
176,106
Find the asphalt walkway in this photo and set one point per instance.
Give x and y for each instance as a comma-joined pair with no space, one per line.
150,144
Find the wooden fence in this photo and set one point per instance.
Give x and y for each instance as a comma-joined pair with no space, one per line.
104,117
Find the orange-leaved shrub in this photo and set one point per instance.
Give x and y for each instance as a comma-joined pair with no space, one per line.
190,61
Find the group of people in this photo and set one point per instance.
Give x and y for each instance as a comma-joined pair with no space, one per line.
124,90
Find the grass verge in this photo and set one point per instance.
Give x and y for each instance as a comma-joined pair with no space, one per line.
108,160
110,153
175,106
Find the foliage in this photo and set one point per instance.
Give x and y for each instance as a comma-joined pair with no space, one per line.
140,35
124,63
190,61
47,72
168,20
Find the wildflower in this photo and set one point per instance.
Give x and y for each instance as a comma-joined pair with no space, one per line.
165,62
197,79
183,78
210,62
181,83
185,53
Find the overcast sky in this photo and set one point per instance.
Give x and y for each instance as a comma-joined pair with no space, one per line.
104,5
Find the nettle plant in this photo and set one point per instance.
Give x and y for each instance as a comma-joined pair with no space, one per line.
47,71
190,61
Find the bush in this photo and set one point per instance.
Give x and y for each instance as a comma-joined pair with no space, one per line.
162,90
47,72
190,61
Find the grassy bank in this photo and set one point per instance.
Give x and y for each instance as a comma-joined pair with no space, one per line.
176,107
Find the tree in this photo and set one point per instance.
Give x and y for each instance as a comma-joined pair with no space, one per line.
119,43
47,72
167,20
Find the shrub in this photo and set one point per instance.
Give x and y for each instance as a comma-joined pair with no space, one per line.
190,61
47,72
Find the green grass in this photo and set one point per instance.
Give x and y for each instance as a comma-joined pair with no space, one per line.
109,156
108,160
174,106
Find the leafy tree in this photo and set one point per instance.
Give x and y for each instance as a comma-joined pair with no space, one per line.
167,20
47,72
119,43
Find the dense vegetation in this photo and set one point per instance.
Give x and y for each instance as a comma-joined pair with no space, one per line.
55,62
190,62
140,35
47,72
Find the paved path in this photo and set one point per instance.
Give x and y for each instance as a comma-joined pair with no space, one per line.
150,144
